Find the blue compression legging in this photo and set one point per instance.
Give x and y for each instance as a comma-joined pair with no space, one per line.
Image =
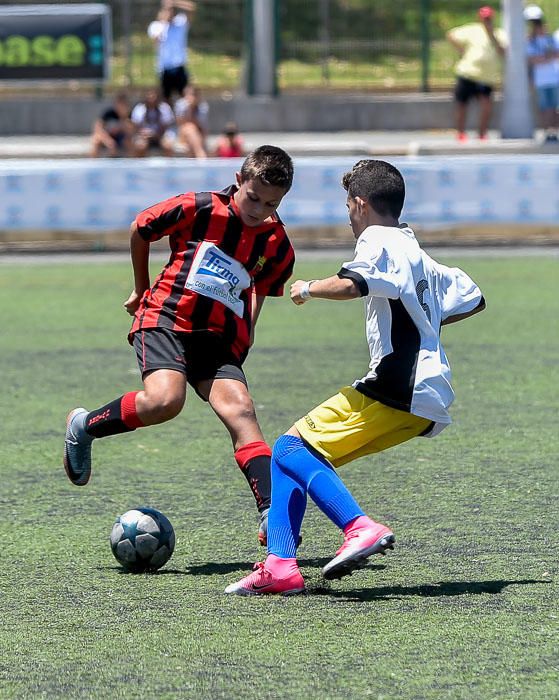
297,470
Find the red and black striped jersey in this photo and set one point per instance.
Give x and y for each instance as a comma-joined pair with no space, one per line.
217,263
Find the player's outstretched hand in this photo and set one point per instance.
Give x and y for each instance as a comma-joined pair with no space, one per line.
295,292
132,303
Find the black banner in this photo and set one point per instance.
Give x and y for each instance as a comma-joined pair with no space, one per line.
54,42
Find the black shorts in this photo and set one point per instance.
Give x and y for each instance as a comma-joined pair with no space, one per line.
173,80
465,89
120,139
199,356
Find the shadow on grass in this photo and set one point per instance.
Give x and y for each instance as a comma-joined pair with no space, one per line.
212,567
160,572
440,590
208,569
444,589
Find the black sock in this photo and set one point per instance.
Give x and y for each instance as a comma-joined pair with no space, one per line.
258,474
111,419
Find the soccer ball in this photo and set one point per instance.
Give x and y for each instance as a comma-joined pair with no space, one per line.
142,539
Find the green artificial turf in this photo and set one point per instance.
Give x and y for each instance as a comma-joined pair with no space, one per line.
465,607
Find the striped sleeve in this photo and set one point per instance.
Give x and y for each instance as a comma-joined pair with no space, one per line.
278,267
170,216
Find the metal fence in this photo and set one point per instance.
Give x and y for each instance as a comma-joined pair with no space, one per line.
215,54
323,44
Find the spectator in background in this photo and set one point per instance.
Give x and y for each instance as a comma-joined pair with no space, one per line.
170,33
191,113
113,130
543,54
229,144
481,48
153,122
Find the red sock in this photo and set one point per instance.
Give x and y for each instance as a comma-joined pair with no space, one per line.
128,412
254,461
253,449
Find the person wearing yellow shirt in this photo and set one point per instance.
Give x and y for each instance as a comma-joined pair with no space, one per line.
478,70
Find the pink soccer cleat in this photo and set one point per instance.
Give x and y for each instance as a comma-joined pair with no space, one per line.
362,541
262,582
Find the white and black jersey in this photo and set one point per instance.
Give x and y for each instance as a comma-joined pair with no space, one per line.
407,297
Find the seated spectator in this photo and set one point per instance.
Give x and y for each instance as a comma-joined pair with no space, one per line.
229,144
191,113
153,122
113,130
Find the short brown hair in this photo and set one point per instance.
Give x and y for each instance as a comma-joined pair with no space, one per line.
378,183
271,165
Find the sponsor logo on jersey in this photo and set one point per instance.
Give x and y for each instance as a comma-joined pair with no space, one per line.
216,275
216,265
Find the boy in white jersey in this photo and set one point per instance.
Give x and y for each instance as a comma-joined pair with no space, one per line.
405,393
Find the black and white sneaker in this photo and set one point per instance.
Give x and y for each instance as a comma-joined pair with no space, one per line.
77,448
263,527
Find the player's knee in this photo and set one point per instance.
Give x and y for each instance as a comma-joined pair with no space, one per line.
284,447
241,409
245,408
163,406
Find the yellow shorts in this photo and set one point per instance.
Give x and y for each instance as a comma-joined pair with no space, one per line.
350,425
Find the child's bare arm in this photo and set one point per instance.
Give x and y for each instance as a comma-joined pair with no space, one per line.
185,5
139,253
334,287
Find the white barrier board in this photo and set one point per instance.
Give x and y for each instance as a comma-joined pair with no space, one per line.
103,195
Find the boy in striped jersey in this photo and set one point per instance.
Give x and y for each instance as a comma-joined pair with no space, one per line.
405,393
195,323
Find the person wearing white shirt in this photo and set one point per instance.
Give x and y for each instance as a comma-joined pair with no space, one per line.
405,393
170,33
153,122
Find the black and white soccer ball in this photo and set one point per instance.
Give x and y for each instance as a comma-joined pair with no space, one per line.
142,539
